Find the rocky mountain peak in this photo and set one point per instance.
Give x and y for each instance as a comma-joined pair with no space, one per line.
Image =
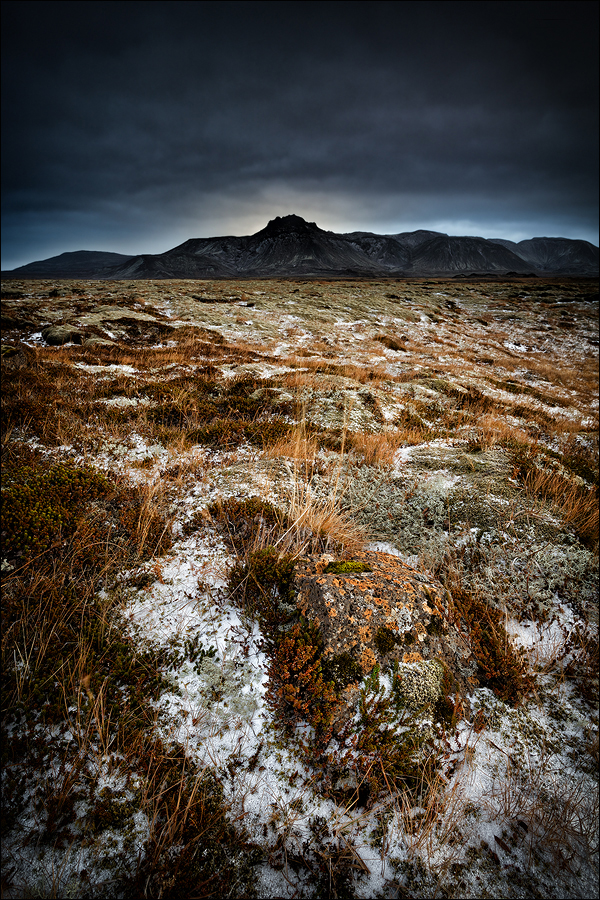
291,223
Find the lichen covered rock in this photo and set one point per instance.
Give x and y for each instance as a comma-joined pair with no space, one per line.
389,612
56,335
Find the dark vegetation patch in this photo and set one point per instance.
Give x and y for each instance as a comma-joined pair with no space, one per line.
67,533
221,414
386,639
471,399
66,664
262,586
532,415
502,668
390,342
200,853
516,387
247,523
231,433
342,670
31,400
578,460
41,506
54,404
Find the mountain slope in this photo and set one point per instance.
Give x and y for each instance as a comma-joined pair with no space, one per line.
444,254
560,255
78,264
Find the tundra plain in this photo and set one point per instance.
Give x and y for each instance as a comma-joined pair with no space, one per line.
171,451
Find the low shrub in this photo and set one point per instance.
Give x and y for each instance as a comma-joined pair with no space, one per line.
502,668
245,524
218,415
389,748
298,691
262,586
41,505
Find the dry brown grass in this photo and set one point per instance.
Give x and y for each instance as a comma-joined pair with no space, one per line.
581,377
363,374
298,445
559,814
322,518
185,344
313,515
379,449
150,528
576,505
303,376
492,431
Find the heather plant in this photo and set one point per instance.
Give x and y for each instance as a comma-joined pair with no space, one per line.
502,667
41,505
388,745
298,693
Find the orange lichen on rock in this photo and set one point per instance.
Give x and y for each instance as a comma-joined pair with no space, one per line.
367,660
389,598
412,657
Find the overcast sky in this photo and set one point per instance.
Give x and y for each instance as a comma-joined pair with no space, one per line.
132,126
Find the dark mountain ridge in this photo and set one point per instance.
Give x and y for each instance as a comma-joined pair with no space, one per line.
78,263
289,246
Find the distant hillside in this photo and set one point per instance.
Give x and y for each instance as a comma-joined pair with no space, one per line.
72,265
289,246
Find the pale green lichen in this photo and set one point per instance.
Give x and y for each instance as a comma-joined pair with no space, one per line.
419,684
223,689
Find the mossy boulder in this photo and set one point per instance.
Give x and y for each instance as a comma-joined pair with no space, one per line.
377,611
57,335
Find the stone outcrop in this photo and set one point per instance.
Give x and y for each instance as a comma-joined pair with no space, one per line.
105,323
16,357
387,612
56,335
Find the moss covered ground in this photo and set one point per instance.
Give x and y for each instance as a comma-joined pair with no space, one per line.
170,726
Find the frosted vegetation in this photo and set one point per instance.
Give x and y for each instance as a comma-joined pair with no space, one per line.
172,724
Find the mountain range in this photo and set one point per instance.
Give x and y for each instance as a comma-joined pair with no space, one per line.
290,247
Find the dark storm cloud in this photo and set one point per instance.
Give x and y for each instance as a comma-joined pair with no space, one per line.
131,126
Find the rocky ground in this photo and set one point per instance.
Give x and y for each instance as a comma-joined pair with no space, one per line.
300,588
